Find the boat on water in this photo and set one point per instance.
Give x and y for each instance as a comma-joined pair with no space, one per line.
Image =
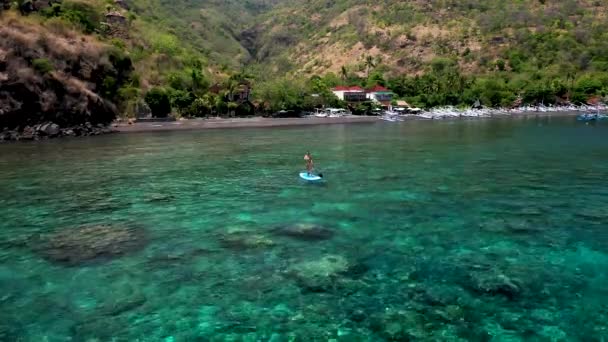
592,117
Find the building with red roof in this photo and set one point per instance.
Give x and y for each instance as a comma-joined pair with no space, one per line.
380,95
350,94
377,94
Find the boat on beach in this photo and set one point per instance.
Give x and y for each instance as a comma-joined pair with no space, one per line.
391,116
331,113
320,113
484,112
336,112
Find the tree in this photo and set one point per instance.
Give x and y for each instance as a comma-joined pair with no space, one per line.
181,100
232,106
284,94
331,80
198,82
323,95
369,64
220,105
588,85
376,78
159,102
570,74
198,108
364,108
231,87
343,73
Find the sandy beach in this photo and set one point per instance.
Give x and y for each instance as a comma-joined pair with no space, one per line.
194,124
213,123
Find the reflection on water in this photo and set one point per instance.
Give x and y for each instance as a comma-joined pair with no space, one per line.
456,230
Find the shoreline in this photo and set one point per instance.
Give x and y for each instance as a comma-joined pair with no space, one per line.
261,122
216,123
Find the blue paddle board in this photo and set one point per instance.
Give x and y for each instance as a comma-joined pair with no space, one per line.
309,177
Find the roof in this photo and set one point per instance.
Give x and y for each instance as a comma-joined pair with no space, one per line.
402,103
344,88
378,89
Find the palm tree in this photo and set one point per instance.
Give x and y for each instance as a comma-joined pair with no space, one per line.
569,83
343,73
241,76
220,105
207,103
231,87
369,63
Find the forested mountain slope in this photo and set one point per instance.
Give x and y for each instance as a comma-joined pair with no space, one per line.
481,35
429,52
538,51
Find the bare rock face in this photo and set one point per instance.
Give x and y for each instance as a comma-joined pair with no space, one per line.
61,79
75,246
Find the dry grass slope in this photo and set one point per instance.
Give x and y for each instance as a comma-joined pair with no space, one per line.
52,74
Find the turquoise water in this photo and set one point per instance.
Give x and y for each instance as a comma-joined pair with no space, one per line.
489,230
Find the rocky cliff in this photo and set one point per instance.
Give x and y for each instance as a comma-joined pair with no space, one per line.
55,76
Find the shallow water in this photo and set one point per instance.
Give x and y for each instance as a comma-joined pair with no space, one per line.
445,231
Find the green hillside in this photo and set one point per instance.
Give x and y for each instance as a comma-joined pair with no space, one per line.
479,34
431,53
551,46
210,26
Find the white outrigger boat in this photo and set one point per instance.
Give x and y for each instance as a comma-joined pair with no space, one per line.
331,113
391,116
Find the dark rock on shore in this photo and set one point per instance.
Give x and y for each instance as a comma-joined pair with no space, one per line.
82,245
51,130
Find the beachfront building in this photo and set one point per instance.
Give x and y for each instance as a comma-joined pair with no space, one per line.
350,94
380,95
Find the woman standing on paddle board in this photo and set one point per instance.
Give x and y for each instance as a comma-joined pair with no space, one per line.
309,162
